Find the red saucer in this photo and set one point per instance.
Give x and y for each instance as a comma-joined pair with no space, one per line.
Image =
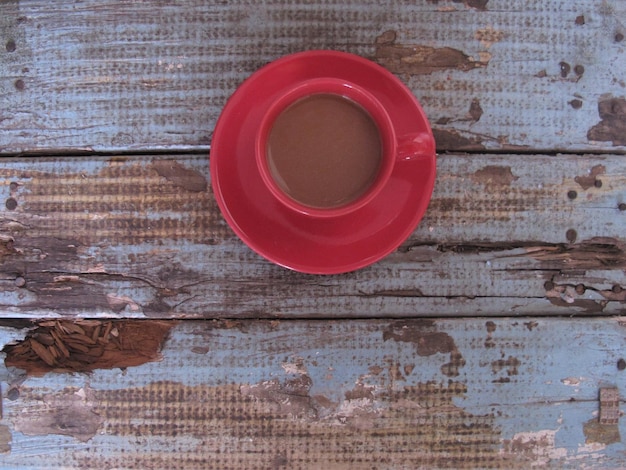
292,240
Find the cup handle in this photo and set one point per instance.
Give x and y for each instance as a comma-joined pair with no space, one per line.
416,146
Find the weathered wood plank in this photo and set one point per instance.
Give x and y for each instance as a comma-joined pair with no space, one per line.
142,236
442,393
123,75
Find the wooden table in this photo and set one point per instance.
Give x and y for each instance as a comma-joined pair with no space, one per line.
140,332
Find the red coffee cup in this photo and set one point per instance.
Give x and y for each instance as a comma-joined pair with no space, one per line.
257,198
391,147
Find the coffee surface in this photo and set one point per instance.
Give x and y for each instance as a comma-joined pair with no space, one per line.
324,150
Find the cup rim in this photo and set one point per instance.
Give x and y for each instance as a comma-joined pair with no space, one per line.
345,89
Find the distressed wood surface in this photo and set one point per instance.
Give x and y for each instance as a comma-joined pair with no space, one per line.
142,237
384,394
491,74
137,331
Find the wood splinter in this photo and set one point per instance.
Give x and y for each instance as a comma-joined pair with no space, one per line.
85,345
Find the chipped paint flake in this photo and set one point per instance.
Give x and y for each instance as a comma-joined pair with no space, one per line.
120,302
182,177
590,179
297,367
538,447
612,126
488,36
418,59
494,175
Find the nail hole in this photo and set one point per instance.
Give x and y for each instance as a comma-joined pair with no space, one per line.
548,285
565,69
13,393
19,84
617,289
20,281
10,45
13,186
571,235
580,289
597,183
576,104
580,20
622,206
579,70
619,37
572,194
11,204
621,363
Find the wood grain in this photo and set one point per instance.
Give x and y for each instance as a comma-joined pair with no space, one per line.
140,76
442,393
142,236
458,350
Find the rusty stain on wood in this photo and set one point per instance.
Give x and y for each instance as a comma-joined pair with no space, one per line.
612,127
420,59
87,345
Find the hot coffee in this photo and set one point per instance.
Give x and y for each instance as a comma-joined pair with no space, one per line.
324,150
